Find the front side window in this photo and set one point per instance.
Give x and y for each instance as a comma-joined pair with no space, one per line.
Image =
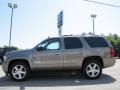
72,43
51,44
54,45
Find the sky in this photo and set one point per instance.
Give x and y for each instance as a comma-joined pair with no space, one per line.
35,20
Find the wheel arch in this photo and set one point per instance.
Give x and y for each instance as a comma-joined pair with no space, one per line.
18,60
96,58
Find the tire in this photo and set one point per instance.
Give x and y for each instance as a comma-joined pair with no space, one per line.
19,71
92,69
118,55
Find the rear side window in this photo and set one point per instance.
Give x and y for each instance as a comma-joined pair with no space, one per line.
96,42
72,43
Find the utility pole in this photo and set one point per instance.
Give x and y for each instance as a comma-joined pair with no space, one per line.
93,16
12,6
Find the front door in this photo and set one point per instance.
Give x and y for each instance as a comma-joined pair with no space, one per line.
50,55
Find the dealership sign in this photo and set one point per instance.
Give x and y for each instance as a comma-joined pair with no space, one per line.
60,19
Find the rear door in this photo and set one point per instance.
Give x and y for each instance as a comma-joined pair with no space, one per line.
73,52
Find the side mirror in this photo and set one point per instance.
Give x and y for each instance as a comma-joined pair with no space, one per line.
39,48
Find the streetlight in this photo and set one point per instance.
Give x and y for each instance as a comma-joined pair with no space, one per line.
93,16
12,6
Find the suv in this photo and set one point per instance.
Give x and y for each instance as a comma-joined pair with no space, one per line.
86,53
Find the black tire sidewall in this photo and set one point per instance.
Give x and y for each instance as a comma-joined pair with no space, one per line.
85,66
27,71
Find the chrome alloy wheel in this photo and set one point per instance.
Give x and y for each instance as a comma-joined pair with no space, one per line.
93,70
19,72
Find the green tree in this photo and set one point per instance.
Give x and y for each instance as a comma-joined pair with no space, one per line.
114,38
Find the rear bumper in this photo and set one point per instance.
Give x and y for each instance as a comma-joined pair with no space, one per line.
109,62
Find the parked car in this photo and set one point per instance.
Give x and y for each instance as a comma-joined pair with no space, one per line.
1,55
88,54
117,50
3,51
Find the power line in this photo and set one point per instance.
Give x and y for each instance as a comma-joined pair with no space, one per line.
102,3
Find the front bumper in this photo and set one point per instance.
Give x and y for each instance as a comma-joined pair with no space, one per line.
5,67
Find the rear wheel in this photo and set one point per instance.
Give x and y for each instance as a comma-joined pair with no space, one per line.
19,71
92,69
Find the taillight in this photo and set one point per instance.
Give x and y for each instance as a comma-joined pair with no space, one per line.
112,52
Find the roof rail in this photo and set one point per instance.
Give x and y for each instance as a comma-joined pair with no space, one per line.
89,34
68,35
83,34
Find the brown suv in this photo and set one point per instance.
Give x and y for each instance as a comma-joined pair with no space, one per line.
87,53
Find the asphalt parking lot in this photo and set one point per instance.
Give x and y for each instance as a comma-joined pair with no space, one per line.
110,80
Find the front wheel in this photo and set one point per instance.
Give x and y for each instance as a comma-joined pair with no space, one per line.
92,69
19,71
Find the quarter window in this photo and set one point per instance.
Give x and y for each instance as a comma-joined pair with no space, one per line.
96,41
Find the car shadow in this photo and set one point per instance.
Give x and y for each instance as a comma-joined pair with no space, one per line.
56,80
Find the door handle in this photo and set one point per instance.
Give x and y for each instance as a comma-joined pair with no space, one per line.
57,53
81,53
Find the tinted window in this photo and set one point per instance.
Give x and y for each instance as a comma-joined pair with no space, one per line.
72,43
96,42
